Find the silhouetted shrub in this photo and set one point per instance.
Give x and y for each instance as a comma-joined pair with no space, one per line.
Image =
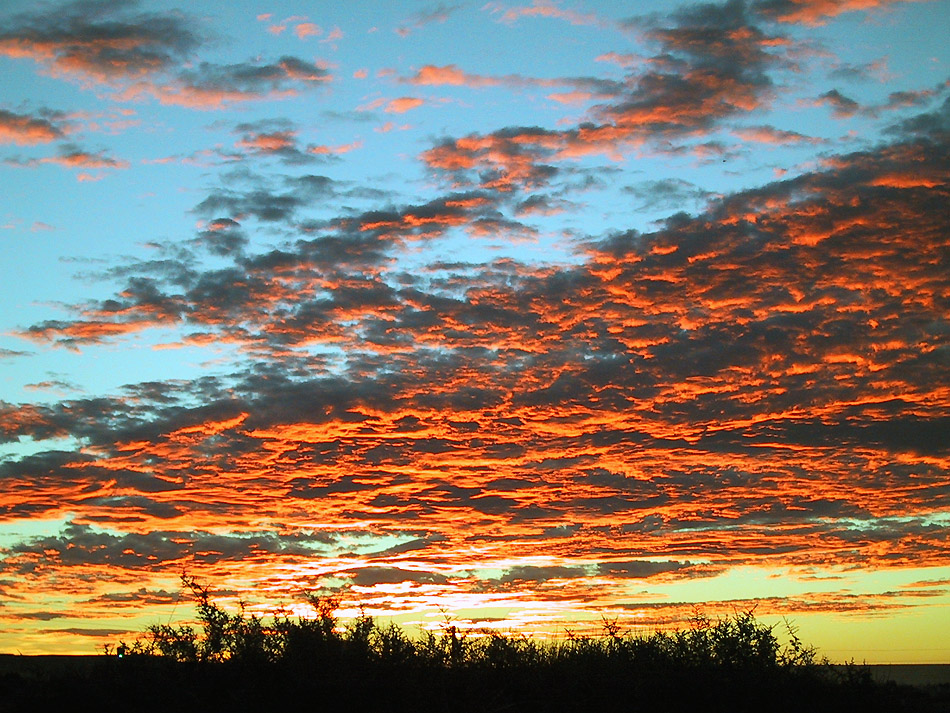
239,661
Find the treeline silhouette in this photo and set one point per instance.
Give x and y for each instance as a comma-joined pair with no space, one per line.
242,662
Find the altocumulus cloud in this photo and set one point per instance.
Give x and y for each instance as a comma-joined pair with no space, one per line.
761,382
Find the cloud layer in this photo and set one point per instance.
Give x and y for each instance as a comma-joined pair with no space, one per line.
762,383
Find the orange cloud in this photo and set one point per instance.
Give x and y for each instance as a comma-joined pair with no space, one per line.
432,75
268,142
148,56
216,86
686,91
571,97
771,135
624,60
546,9
307,29
23,129
71,156
403,104
909,180
762,384
817,12
324,150
83,159
335,34
92,48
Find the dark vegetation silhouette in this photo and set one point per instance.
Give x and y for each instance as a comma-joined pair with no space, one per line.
242,662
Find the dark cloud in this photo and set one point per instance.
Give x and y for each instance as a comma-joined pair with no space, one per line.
247,197
370,576
269,138
666,194
762,379
896,101
70,155
26,129
41,615
140,597
52,385
293,288
12,353
105,41
530,573
223,236
416,545
639,569
82,546
848,72
210,85
279,139
144,54
841,106
262,205
91,632
934,125
713,64
426,16
911,98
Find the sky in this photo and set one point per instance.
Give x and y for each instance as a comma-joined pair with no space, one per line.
522,315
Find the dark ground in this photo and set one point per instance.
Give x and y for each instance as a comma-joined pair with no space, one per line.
38,683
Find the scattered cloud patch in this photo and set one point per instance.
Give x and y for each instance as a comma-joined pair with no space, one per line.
24,129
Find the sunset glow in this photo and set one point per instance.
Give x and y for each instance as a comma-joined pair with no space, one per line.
522,314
